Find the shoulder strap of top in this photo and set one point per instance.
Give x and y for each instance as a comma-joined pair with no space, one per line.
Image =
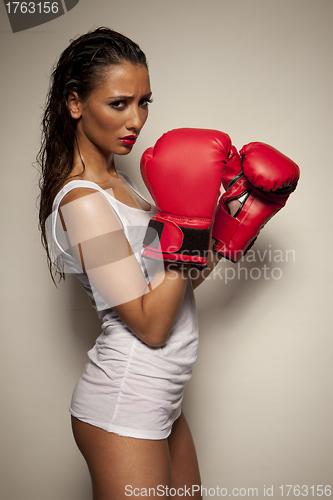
87,184
133,186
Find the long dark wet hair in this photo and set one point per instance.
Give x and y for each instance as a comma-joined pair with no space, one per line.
81,68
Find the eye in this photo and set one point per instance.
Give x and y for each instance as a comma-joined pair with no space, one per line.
119,105
144,102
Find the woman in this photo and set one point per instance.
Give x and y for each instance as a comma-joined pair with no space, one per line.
126,414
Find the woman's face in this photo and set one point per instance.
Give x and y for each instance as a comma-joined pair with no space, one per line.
112,117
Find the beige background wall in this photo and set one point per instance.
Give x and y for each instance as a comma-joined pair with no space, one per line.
260,401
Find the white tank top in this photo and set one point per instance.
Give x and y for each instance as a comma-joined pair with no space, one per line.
128,387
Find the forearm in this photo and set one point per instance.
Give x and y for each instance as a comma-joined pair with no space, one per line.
162,304
152,316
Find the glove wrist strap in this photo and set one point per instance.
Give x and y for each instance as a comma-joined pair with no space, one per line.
170,238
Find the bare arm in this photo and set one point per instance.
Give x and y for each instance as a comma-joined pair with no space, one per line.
97,240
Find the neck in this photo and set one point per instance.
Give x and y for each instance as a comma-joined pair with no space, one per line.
92,164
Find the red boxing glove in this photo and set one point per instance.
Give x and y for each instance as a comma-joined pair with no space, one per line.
262,180
183,174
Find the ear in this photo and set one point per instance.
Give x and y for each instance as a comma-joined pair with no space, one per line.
74,105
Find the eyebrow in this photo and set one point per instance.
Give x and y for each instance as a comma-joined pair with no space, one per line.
130,96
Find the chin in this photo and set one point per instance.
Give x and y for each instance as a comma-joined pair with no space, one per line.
125,150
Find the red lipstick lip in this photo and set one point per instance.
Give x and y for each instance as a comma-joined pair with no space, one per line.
129,140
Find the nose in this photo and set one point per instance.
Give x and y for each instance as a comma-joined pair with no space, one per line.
136,119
